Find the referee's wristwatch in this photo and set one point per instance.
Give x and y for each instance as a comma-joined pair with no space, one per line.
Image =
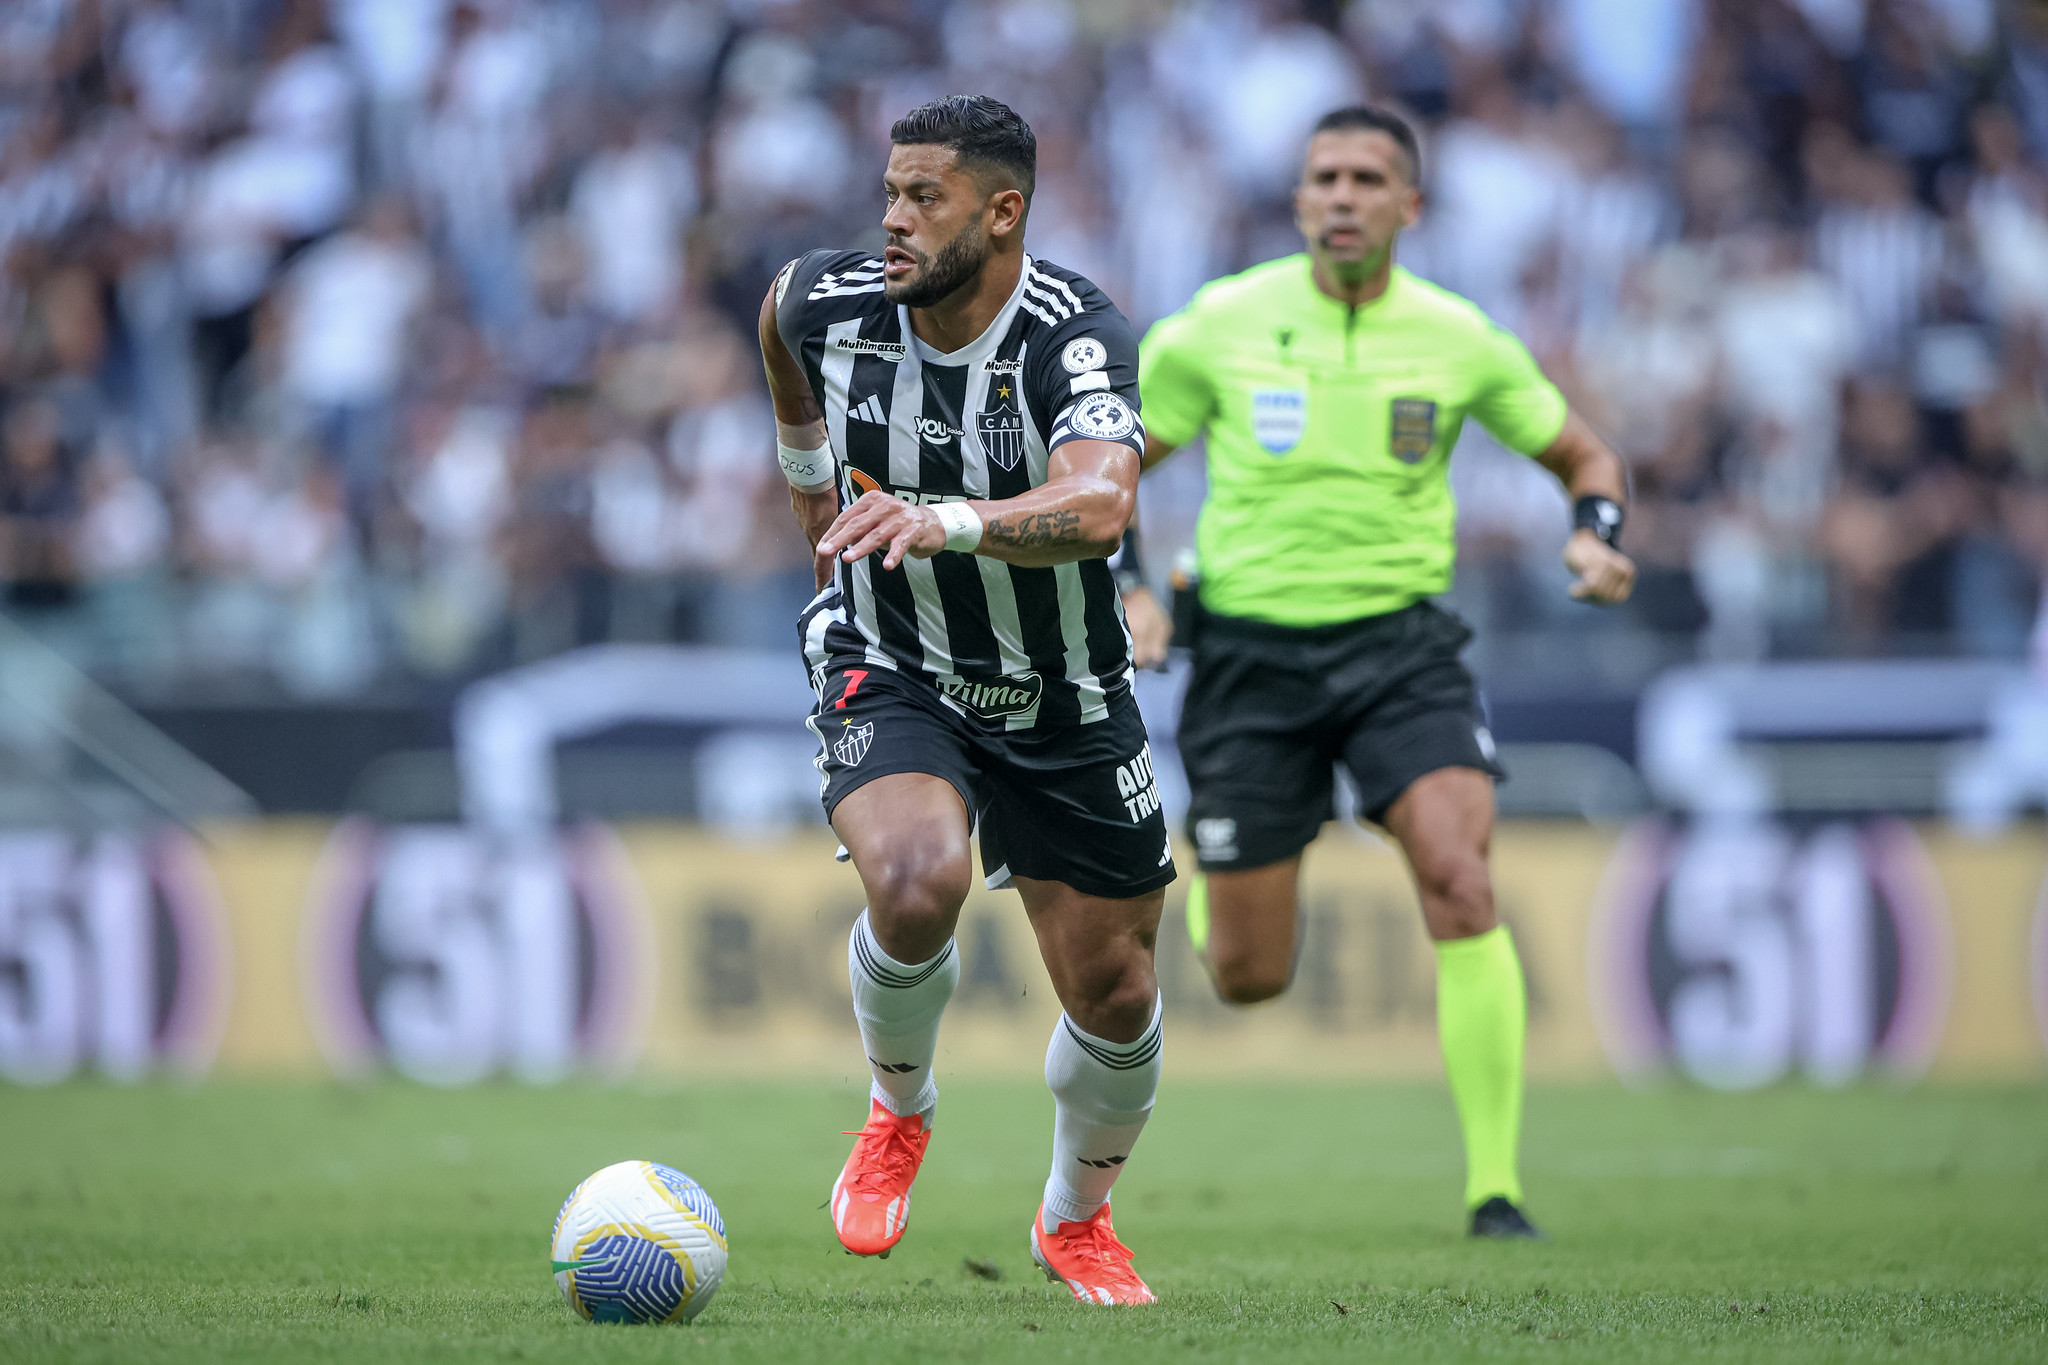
1602,516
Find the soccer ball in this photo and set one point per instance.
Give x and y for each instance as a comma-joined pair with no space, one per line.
639,1242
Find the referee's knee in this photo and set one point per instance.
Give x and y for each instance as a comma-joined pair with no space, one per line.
1246,980
1457,899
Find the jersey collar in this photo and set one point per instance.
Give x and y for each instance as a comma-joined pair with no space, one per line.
1396,280
982,346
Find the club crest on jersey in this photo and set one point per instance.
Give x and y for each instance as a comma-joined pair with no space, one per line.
994,698
853,745
1279,417
1412,430
891,351
1103,417
1002,436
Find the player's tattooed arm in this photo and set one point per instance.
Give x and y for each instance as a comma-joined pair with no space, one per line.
1034,530
799,422
1079,512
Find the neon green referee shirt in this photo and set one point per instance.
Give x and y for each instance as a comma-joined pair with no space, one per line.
1330,434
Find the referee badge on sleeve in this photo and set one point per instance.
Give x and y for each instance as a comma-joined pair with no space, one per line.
1411,434
1279,417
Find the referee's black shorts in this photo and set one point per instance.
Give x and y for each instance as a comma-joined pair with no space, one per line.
1270,711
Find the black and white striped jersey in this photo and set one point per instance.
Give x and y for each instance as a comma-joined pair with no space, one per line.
1015,647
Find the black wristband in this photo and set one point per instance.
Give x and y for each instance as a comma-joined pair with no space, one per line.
1128,565
1602,516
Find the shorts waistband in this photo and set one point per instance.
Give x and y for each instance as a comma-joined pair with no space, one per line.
1244,628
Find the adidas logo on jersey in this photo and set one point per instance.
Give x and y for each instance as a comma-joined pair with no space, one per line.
869,409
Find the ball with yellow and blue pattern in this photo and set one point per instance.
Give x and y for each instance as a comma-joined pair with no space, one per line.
639,1242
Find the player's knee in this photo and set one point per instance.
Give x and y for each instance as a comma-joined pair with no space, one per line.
1123,1012
915,890
1457,898
1248,980
1115,995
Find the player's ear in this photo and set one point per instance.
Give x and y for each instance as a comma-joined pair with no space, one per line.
1005,212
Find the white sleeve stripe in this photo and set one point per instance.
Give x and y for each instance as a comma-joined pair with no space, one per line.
1051,299
1028,306
841,290
1061,285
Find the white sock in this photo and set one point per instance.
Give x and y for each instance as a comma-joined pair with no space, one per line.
1104,1093
898,1006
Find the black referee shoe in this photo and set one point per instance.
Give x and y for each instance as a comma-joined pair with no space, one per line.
1499,1218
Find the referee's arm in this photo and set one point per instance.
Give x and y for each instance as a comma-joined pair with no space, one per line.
1597,481
1151,625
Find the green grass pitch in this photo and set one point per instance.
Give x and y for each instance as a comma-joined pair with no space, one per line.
393,1222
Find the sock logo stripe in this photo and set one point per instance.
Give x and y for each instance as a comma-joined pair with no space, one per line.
894,1068
1144,1051
883,976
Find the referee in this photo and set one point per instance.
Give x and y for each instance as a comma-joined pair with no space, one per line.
1332,386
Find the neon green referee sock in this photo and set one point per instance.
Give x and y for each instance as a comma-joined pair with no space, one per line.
1482,1020
1198,913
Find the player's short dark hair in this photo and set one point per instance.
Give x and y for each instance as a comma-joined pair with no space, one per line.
985,134
1372,118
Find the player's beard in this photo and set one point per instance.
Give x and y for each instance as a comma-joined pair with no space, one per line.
940,274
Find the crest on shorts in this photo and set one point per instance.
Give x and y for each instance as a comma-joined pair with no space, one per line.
1279,417
853,745
1002,435
1411,434
1216,837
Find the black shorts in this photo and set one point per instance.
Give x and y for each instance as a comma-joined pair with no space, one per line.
1270,710
1072,803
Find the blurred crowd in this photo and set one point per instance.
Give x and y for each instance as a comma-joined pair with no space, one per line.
358,343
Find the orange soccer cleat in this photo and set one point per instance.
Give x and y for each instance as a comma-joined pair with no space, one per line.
1089,1260
871,1199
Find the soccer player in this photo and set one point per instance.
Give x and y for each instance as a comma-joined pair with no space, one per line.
1332,386
959,425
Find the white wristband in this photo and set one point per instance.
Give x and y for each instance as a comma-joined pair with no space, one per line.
808,471
963,526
